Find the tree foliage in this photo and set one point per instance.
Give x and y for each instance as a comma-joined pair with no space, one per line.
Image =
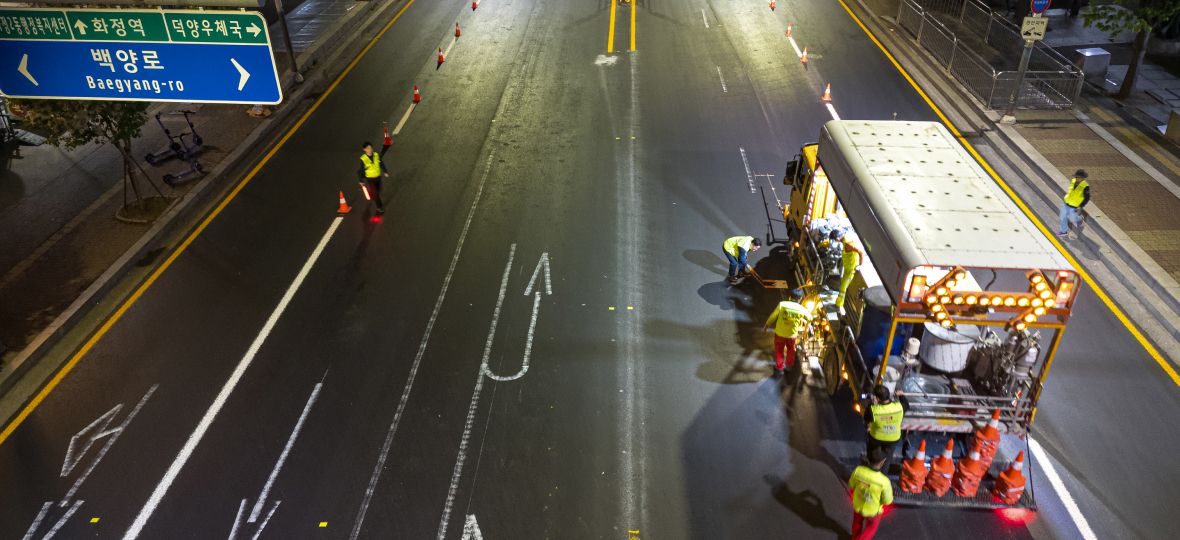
1136,16
74,123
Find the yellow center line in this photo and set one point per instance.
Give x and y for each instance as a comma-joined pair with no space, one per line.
610,36
1040,226
632,2
168,262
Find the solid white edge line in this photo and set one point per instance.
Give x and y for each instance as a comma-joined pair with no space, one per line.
722,77
703,17
798,52
274,473
405,117
1066,499
832,110
401,406
190,445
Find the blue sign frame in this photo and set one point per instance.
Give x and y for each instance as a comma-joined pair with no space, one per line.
1039,6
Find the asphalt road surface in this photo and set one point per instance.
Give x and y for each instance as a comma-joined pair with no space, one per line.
535,340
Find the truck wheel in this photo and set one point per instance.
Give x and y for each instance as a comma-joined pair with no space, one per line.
832,372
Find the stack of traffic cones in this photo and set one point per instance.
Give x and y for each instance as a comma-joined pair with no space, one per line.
968,474
989,440
1010,483
941,469
344,209
914,471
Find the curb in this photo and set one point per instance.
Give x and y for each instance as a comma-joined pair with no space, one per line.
167,223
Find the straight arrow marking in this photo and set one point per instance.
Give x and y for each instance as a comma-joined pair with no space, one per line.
81,26
241,82
548,282
24,69
471,529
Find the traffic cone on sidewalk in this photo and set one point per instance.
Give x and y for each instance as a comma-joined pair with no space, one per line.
772,5
456,29
440,58
472,5
344,209
989,440
828,93
941,470
788,29
804,57
968,474
1010,483
417,96
914,471
388,141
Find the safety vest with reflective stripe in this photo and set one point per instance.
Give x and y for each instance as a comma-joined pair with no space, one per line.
732,245
886,426
1077,192
870,491
372,165
788,315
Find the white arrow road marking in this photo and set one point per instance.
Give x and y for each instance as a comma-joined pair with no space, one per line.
114,434
71,459
245,74
238,520
253,29
24,69
528,346
283,457
749,174
548,283
37,522
81,26
60,522
471,529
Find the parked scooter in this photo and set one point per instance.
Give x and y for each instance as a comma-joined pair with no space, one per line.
174,146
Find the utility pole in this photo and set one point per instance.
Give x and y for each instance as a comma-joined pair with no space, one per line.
1033,28
287,40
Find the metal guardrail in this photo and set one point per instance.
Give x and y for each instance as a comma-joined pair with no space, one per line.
1051,82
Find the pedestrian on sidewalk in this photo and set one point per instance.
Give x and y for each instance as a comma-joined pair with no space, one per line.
1075,199
370,172
787,317
871,492
736,249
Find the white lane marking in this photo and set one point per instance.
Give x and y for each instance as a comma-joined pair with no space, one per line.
37,522
267,520
749,175
72,459
703,17
270,481
405,117
548,283
401,406
471,529
114,433
798,52
1070,505
62,521
483,368
723,89
528,346
832,110
447,53
238,520
190,445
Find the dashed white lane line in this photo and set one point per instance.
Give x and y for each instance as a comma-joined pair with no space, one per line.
798,52
405,117
195,438
1070,505
832,110
722,77
706,19
749,174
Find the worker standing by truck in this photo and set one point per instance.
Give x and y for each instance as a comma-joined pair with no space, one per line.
871,492
884,421
736,249
787,318
852,257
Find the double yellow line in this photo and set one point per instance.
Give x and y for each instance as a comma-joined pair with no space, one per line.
610,37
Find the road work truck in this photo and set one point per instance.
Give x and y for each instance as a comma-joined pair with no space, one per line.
958,308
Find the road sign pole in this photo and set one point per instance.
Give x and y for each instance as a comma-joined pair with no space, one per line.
287,40
1009,117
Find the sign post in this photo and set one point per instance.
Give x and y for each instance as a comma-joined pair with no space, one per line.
137,55
1032,29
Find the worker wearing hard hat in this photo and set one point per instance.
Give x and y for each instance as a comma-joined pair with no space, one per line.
736,249
871,492
787,317
852,257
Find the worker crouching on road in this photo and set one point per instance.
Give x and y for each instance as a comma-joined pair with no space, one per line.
787,318
852,257
736,249
1075,199
871,492
884,421
370,172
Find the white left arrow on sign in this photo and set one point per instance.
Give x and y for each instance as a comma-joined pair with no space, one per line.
81,26
242,71
24,70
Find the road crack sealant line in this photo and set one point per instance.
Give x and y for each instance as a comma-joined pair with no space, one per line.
102,330
1075,513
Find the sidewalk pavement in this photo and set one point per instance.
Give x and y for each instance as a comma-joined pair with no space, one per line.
62,247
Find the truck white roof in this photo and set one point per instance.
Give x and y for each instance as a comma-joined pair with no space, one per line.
916,197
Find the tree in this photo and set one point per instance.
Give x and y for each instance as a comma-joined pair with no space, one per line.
1138,16
75,123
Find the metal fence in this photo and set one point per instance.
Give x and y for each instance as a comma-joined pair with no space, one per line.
1051,82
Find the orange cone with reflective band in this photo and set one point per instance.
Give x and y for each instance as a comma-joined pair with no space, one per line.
456,29
388,141
772,5
417,96
968,474
1010,483
440,58
804,57
828,93
942,468
989,440
344,209
914,471
473,5
788,29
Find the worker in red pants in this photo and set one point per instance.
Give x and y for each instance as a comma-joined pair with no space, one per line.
871,492
787,318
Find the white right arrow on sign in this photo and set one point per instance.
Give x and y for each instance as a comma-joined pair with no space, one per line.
253,29
245,74
24,69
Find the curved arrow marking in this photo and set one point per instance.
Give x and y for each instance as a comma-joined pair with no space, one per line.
24,69
241,82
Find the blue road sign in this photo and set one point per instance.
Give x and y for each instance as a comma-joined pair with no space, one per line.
199,60
1039,6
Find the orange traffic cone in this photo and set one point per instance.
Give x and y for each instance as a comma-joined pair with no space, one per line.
1010,483
968,474
914,471
941,470
344,209
472,5
989,440
804,57
772,5
788,29
456,29
388,141
828,93
440,58
417,96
